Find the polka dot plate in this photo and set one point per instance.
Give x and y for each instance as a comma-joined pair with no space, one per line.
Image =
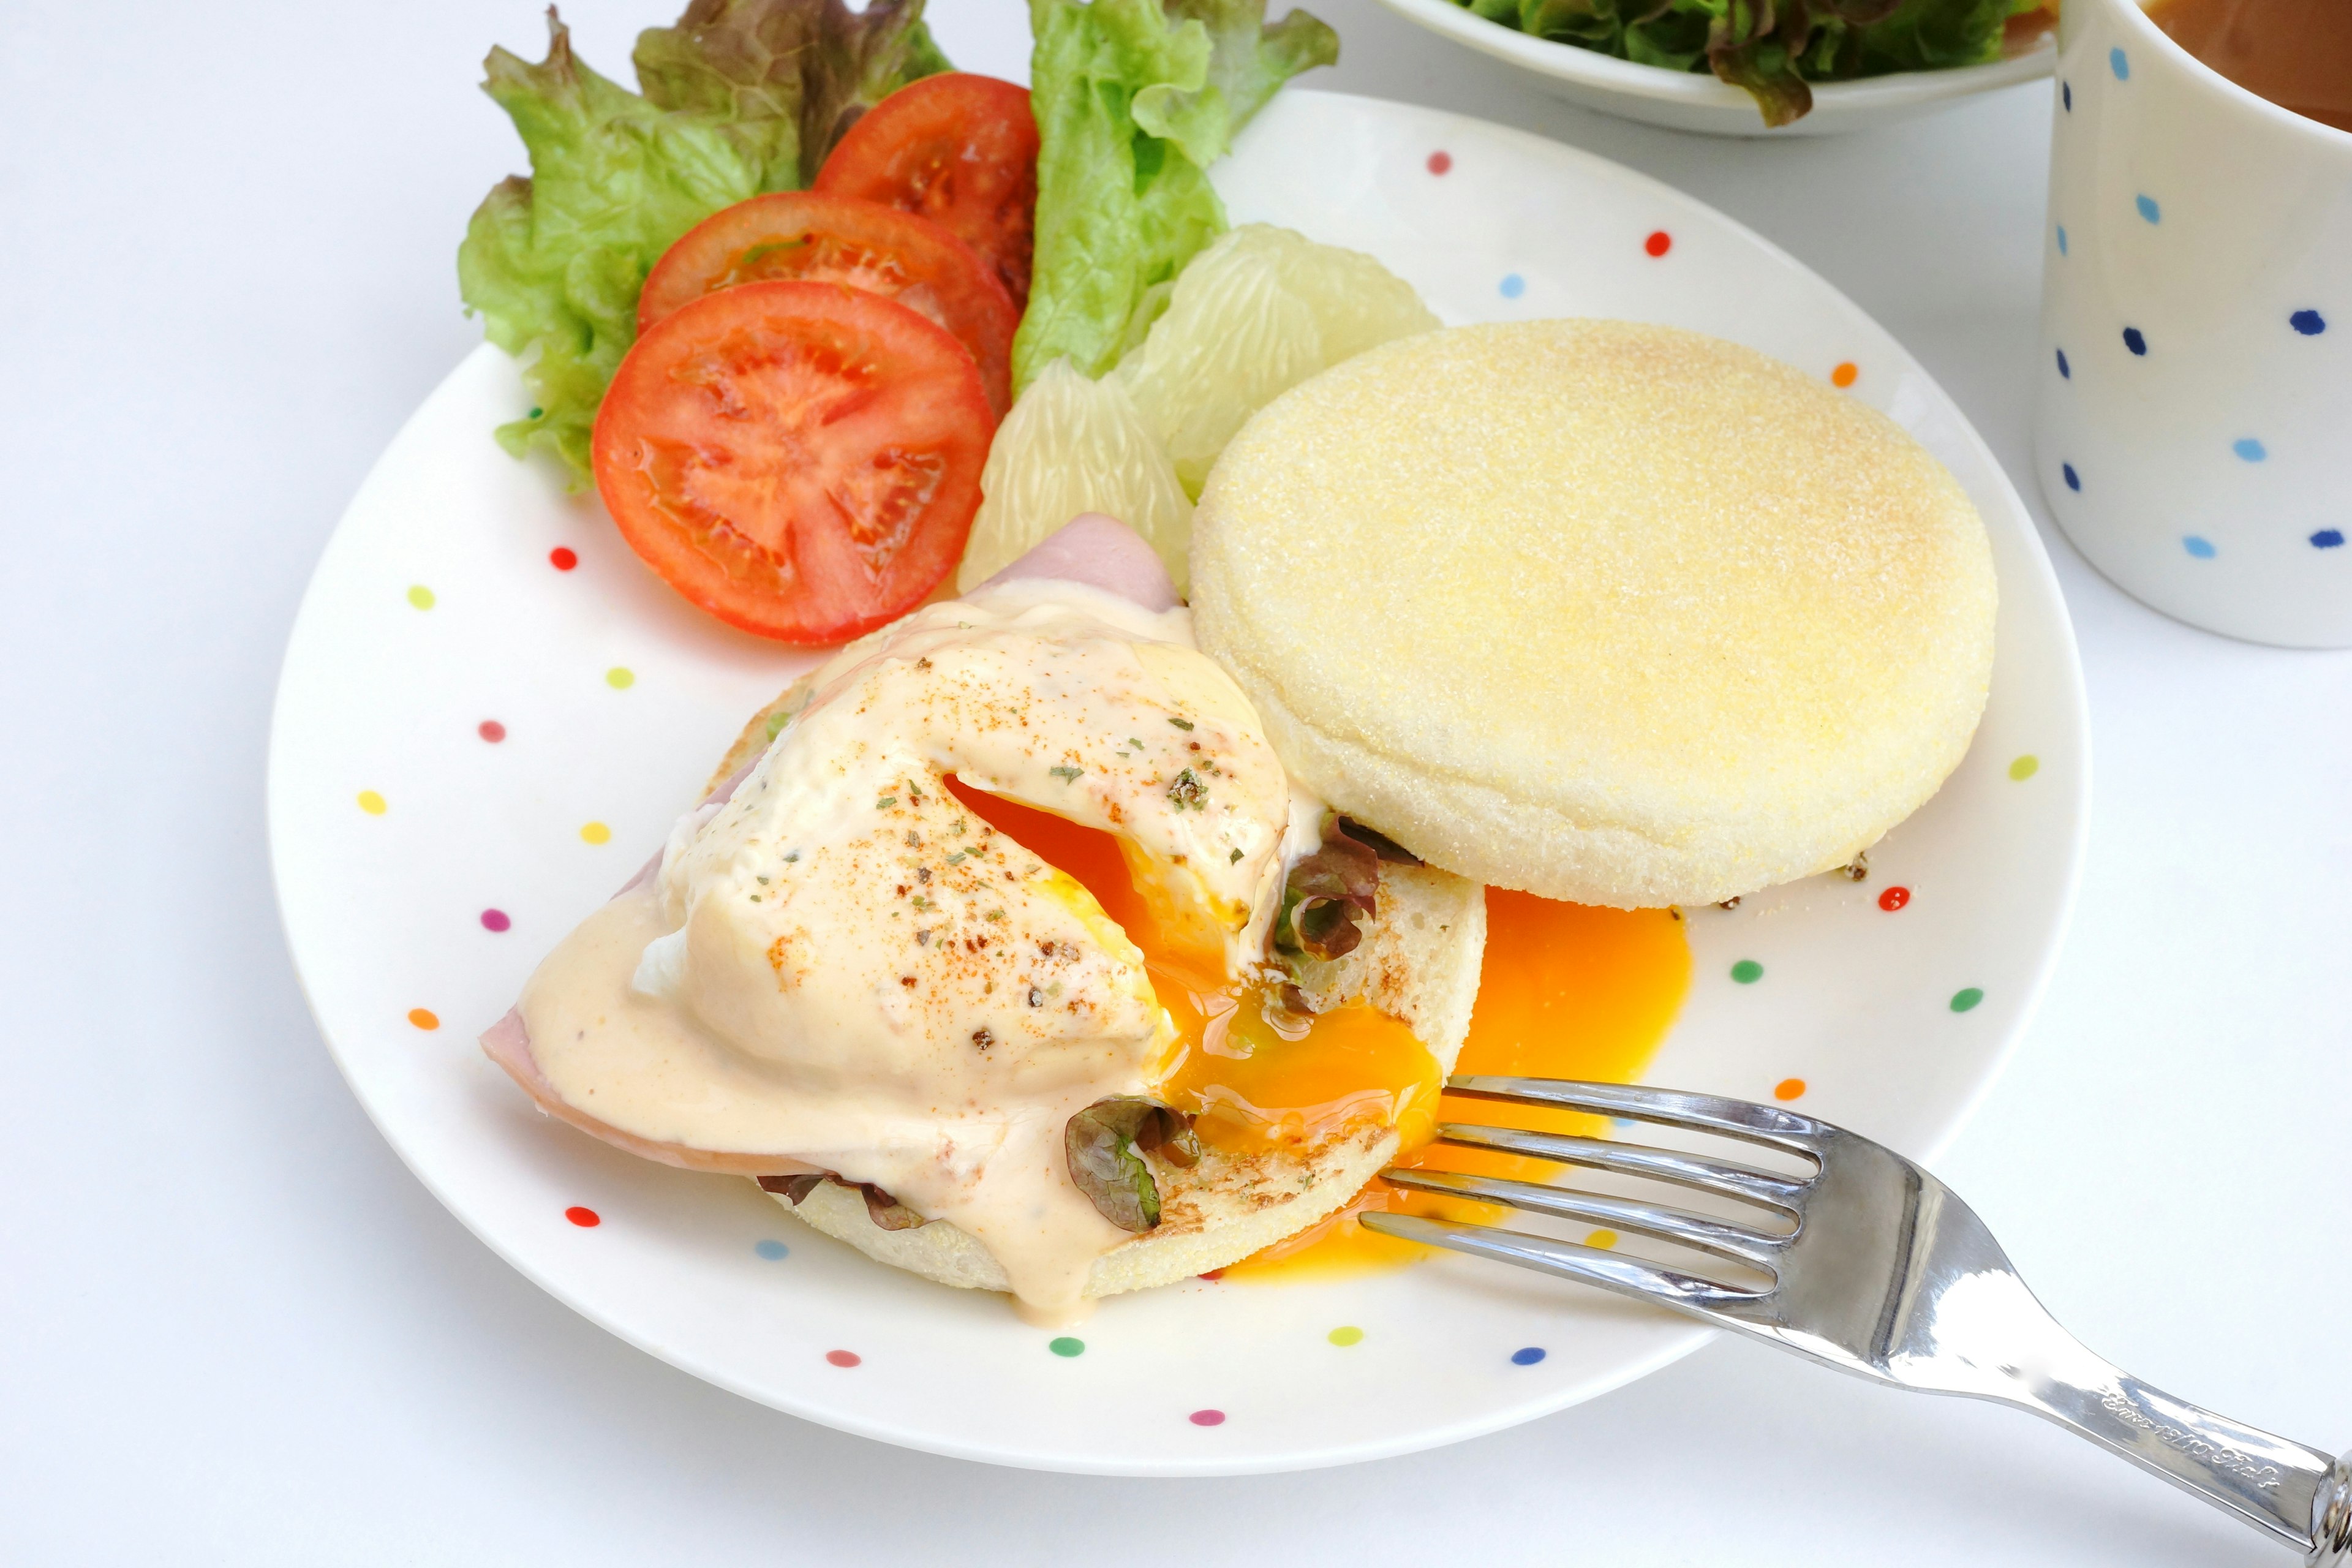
491,713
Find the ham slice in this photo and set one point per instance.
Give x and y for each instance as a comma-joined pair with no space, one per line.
1101,552
1092,548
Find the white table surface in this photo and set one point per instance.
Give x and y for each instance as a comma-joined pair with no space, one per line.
234,1330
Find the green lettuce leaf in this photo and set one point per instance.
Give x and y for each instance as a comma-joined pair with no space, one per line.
1771,48
739,97
1134,100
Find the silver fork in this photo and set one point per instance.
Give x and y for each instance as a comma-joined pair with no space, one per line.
1877,1269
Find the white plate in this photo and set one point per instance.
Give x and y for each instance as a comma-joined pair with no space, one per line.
385,893
1695,101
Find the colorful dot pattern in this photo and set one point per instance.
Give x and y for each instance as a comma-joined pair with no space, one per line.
2136,341
2197,545
1746,972
2310,324
2327,539
2074,480
2148,208
2024,767
2249,449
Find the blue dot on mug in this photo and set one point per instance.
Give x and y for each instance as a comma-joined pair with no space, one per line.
2134,341
2310,324
1514,286
2149,209
771,1250
2328,539
2197,545
2074,480
1528,1356
2066,95
2062,239
2251,450
2120,63
2063,370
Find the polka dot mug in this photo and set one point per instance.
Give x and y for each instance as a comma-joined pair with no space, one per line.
2194,427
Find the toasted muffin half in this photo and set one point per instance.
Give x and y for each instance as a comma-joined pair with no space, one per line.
1609,612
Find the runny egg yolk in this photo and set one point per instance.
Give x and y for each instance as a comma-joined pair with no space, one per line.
1565,991
1252,1076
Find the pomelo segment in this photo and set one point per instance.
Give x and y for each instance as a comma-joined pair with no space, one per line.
1254,315
1072,445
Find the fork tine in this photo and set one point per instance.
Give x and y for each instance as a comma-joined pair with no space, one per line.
1740,1118
1721,1176
1752,1247
1586,1264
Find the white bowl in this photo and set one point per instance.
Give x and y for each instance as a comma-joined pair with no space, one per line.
1694,101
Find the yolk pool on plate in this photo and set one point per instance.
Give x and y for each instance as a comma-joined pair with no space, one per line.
1565,990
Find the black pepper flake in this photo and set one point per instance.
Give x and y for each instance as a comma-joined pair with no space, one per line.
914,840
923,937
983,1038
922,873
1234,858
1036,997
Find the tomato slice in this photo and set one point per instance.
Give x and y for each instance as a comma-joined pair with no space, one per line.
961,149
840,239
800,459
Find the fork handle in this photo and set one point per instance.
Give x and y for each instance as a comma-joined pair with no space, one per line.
2295,1493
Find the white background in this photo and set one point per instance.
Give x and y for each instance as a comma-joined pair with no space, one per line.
234,1330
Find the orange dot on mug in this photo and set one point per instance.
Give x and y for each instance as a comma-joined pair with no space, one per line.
1844,374
1789,1088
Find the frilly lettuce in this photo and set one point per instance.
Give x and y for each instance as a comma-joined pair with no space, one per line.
1774,48
739,97
1134,100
